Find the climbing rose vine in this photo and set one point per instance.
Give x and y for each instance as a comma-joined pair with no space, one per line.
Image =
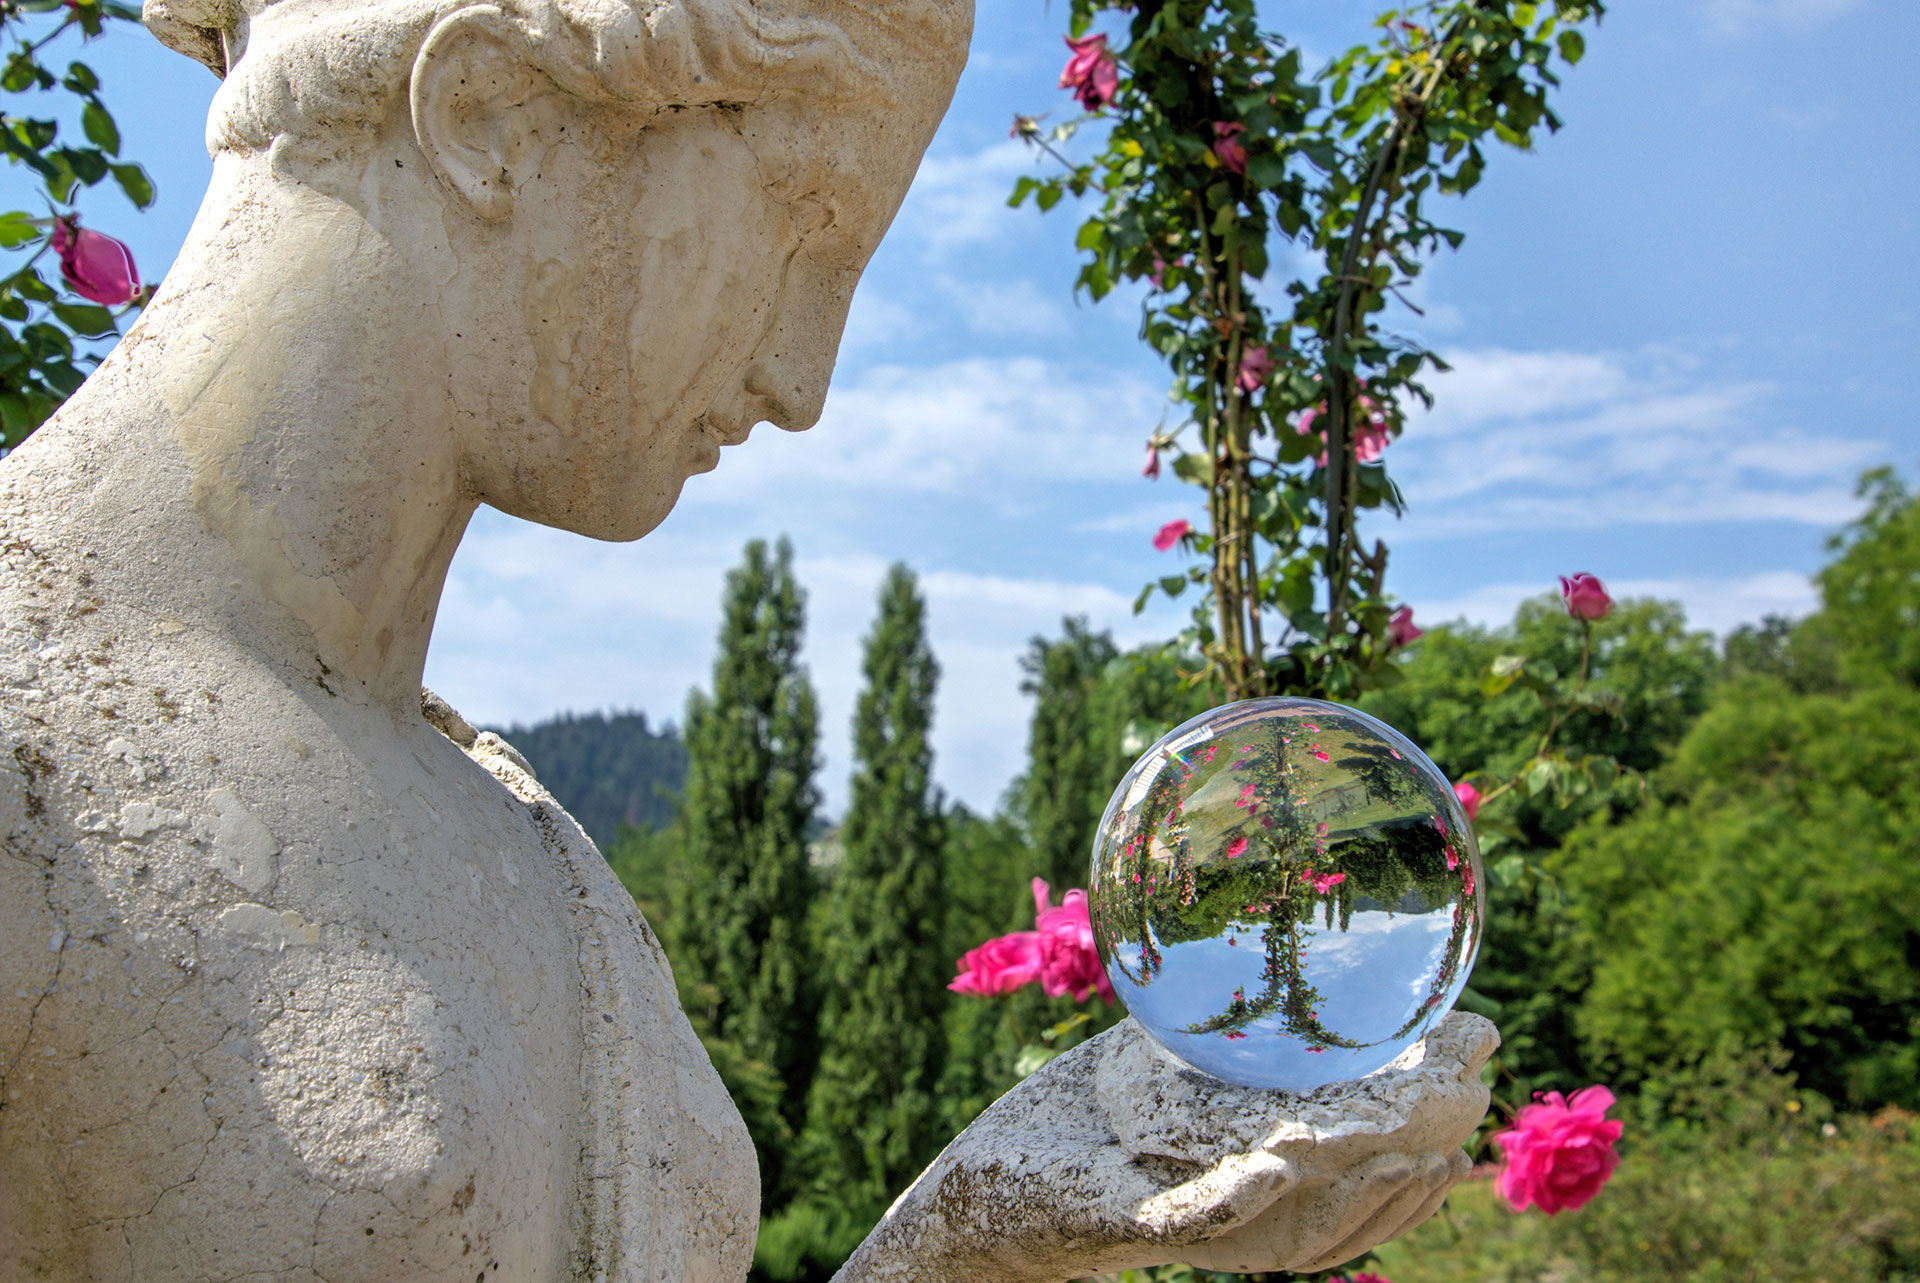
1216,147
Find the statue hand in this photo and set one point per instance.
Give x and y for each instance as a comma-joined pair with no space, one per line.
1116,1156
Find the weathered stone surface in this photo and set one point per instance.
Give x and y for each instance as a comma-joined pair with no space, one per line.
1117,1156
295,985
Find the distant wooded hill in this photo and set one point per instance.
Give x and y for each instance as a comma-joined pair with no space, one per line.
608,770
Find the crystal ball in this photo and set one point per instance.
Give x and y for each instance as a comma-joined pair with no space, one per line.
1286,893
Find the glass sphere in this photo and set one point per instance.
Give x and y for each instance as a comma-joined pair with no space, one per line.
1285,893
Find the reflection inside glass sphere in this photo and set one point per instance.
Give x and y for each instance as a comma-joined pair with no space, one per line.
1285,893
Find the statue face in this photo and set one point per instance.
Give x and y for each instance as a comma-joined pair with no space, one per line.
684,281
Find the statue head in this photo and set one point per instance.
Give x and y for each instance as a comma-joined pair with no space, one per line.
650,213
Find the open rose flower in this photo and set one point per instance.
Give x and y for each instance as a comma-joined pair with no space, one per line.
1469,798
95,266
1001,965
1255,367
1092,72
1400,627
1559,1152
1170,534
1227,147
1068,961
1586,597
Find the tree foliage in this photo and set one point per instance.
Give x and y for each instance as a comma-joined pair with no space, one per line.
738,905
872,1116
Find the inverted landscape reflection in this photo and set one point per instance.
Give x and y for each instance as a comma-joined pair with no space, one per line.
1286,893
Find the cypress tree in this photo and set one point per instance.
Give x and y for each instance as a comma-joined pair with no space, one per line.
742,887
1068,775
872,1114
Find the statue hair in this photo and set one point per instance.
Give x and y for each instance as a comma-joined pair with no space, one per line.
322,68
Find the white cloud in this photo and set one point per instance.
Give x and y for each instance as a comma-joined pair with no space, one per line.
961,200
1742,17
1532,441
986,427
535,621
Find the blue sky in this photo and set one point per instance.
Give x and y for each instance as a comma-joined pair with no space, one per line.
1680,329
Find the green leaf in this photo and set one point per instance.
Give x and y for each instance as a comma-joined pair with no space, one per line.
1572,46
99,127
80,78
17,228
134,182
1173,585
1032,1058
85,318
1197,468
1066,1026
1502,673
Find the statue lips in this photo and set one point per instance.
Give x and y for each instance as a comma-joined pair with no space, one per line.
715,426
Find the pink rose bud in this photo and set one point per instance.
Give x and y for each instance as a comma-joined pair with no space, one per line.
1400,628
1586,597
1469,798
1152,471
1559,1152
1255,366
1227,147
96,267
1092,73
1170,534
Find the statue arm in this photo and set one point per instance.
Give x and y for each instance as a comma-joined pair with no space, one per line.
1116,1156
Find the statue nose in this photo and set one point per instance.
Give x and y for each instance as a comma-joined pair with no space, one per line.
789,399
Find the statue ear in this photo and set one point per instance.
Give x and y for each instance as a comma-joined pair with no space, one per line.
470,81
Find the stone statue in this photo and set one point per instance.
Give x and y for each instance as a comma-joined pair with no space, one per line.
305,982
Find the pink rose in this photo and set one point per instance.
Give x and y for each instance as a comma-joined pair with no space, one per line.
1092,73
1001,965
1068,961
1559,1152
1469,798
1370,435
1236,848
1325,882
1586,597
1170,534
1255,366
1227,147
97,267
1152,471
1400,628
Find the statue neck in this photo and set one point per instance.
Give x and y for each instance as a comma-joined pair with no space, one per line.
272,462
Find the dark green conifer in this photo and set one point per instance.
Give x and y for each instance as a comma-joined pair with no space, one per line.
872,1115
736,931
